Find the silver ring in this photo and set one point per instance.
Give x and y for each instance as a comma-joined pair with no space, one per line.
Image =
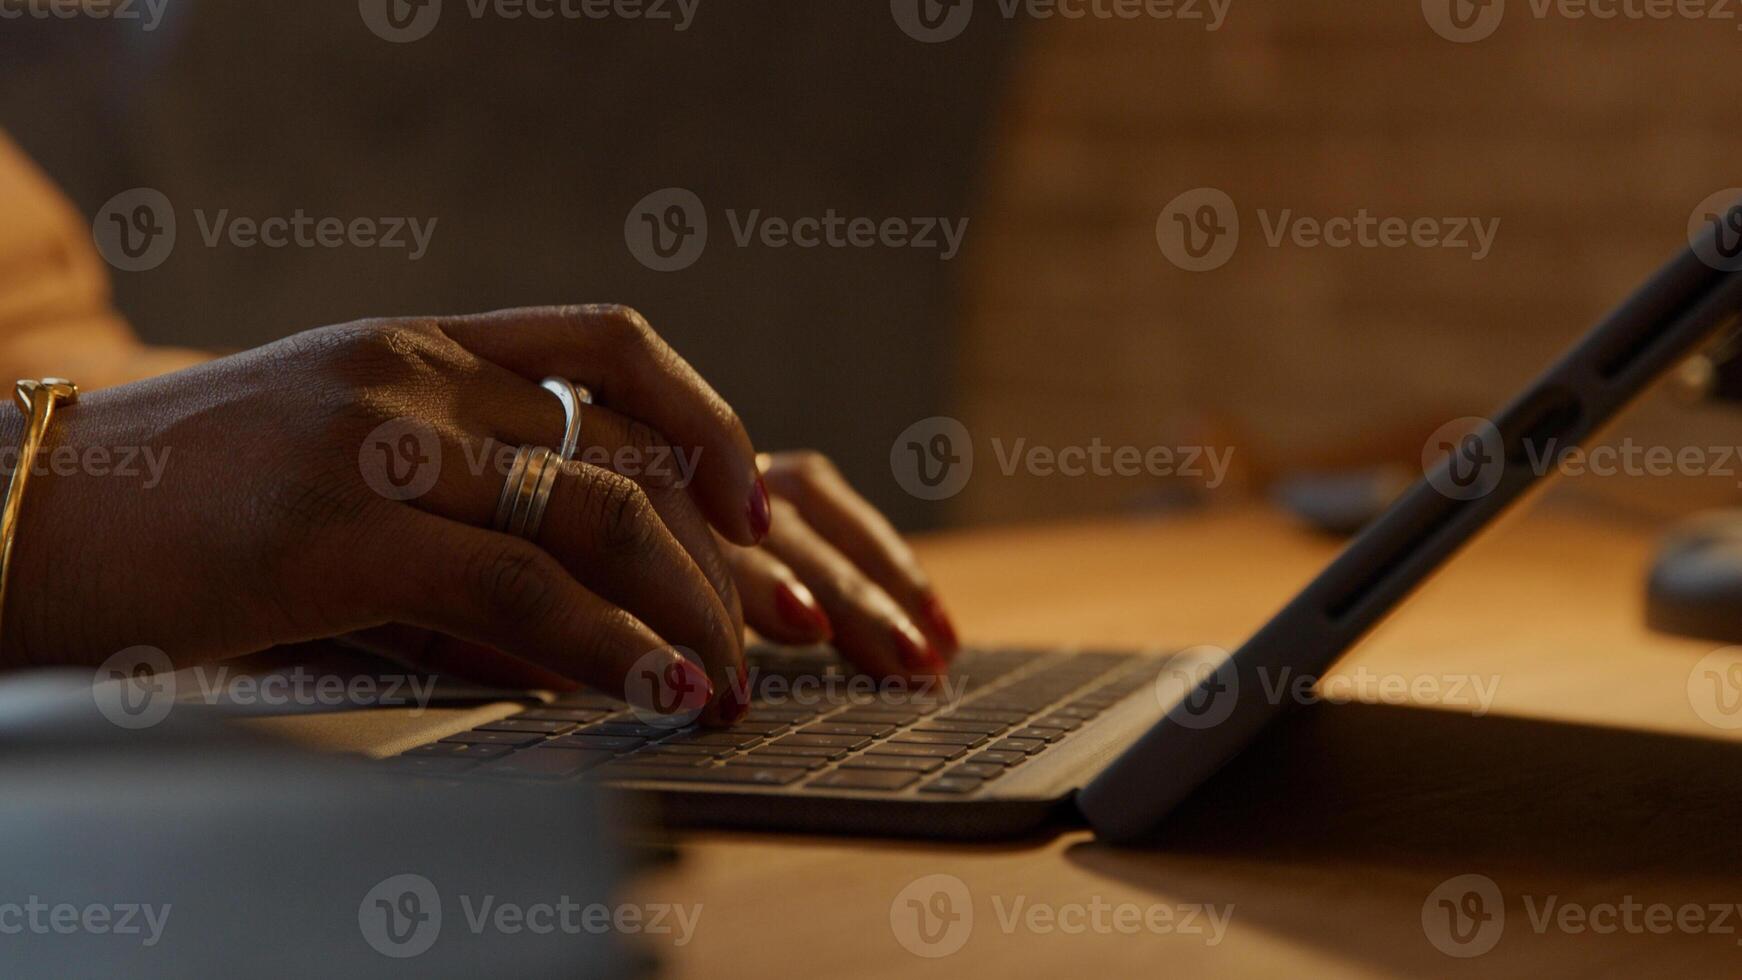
526,492
541,496
573,396
510,487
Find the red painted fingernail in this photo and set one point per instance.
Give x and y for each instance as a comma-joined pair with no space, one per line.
735,703
800,610
761,517
694,688
916,654
940,622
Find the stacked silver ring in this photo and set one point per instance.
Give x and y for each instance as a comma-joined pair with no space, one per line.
526,492
520,508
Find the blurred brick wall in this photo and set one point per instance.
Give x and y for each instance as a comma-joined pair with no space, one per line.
1591,142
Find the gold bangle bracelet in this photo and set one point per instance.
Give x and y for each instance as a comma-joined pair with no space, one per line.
38,400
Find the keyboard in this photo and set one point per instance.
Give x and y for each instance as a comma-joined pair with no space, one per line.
813,729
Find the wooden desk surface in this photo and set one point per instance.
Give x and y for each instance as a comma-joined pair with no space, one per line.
1592,783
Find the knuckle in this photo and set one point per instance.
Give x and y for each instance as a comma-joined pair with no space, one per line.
814,467
655,463
386,351
512,581
621,514
620,326
808,474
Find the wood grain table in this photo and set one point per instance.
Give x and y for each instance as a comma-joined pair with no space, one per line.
1593,788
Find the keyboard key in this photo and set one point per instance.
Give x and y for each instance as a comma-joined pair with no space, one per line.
760,727
783,761
431,765
463,750
1027,746
961,725
998,758
632,728
588,699
1059,722
851,743
495,738
561,714
918,751
978,770
832,728
709,751
883,780
1044,734
864,716
802,751
444,748
939,738
975,714
528,727
545,763
754,775
908,763
604,743
677,759
954,785
736,740
770,713
1076,711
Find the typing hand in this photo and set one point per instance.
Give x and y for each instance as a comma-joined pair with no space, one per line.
346,481
832,568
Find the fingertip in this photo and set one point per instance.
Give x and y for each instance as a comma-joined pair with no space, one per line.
917,654
939,625
802,614
758,513
733,702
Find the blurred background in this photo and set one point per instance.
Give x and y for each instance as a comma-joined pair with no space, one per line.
1061,141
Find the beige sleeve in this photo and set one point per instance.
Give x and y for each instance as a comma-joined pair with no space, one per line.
56,317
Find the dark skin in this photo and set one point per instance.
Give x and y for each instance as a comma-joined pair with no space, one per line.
264,530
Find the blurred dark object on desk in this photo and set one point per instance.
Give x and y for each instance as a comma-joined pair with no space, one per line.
232,856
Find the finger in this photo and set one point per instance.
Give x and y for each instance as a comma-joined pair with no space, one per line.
604,531
831,506
504,593
871,630
613,351
522,413
776,604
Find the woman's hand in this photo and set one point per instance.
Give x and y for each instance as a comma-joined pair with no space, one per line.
264,526
834,569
